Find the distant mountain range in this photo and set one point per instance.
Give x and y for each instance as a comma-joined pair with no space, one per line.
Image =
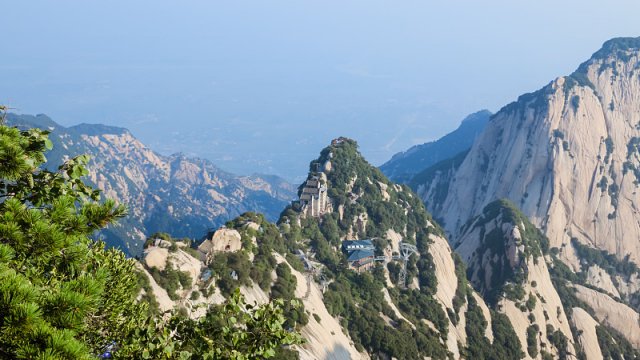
405,165
176,194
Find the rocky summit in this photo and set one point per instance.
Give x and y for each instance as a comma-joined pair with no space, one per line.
567,156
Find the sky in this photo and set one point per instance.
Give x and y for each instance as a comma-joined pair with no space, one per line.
262,86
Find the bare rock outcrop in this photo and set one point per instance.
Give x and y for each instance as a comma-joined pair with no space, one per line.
612,313
586,327
566,155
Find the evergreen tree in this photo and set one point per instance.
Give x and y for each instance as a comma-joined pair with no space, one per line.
65,296
62,295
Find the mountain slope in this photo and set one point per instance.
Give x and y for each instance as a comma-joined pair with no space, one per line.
355,309
175,194
505,255
567,156
403,166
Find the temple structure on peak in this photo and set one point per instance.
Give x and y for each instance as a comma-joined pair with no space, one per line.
313,198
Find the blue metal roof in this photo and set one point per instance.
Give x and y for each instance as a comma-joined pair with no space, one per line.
360,254
357,244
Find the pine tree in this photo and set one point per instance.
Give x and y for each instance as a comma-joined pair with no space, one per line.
62,295
65,296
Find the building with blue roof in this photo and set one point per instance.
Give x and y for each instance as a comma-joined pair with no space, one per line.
360,254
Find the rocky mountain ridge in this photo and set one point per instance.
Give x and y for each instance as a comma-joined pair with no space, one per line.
176,194
370,311
566,155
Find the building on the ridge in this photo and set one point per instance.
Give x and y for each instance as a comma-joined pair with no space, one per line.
360,254
313,198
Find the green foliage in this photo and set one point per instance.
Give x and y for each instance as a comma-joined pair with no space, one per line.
602,184
462,287
64,296
225,264
148,297
531,302
617,47
559,341
358,300
614,346
532,340
60,292
506,280
633,156
478,345
608,262
608,142
575,102
269,239
171,279
234,330
505,341
295,262
285,288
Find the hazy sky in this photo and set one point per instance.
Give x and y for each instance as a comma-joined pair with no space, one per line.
262,86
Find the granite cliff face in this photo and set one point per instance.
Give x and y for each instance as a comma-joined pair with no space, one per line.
176,194
568,156
509,263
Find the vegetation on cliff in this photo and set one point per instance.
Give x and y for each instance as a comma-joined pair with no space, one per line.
65,296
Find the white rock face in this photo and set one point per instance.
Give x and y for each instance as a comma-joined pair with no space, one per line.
156,257
547,312
326,339
487,315
549,153
612,313
597,277
588,339
491,246
445,270
164,302
223,240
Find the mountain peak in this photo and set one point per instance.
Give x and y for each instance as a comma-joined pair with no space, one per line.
617,46
40,121
98,129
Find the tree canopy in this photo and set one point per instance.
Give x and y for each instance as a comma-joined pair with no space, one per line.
66,296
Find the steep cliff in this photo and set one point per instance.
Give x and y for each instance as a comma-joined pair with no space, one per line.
567,156
374,306
507,260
